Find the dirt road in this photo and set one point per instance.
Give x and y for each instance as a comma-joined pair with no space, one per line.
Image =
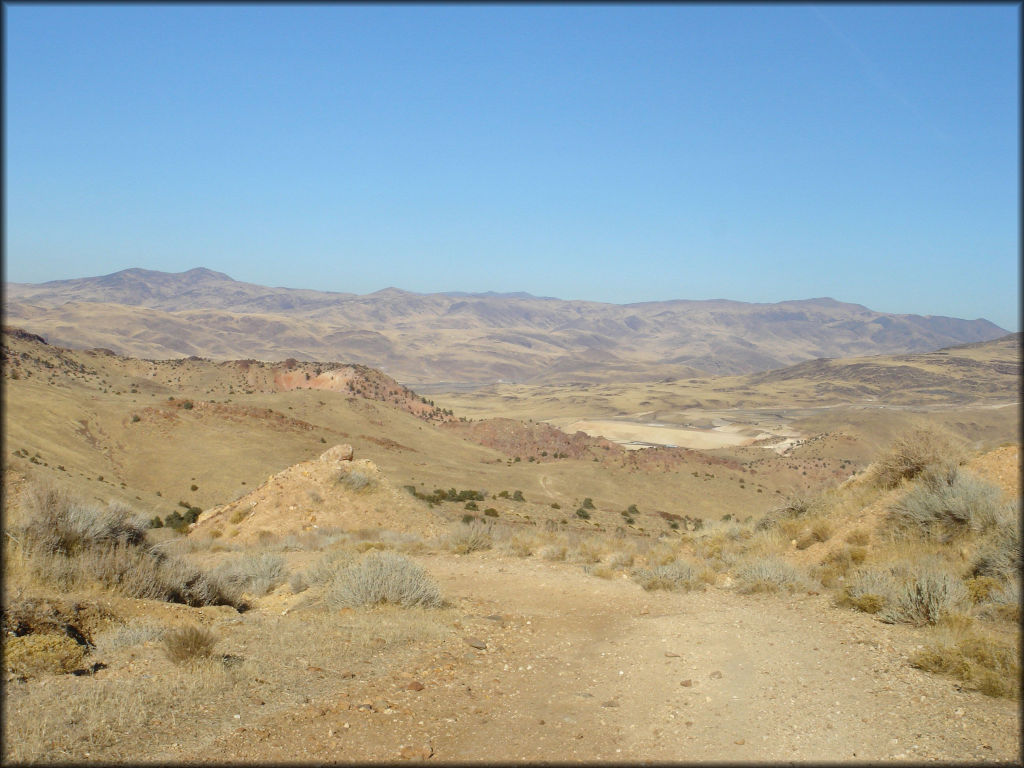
579,668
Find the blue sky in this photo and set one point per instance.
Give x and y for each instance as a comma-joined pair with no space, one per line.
613,153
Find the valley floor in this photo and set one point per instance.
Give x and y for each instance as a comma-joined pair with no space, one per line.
580,668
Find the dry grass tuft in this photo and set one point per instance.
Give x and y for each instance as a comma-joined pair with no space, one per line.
186,645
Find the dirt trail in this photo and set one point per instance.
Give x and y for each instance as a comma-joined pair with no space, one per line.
580,668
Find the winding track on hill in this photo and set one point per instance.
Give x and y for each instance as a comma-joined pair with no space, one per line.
581,668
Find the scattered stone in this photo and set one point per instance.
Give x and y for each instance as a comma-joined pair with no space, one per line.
670,655
474,642
416,753
686,683
644,611
341,452
415,685
716,675
610,703
740,741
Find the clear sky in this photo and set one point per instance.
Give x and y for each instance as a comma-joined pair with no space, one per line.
608,152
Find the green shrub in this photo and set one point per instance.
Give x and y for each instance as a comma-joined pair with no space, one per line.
491,512
588,503
582,514
383,577
518,496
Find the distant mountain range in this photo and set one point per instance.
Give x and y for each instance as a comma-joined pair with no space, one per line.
460,337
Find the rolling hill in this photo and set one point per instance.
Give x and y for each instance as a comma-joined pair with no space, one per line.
474,339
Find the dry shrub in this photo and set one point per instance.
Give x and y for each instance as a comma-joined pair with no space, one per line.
999,553
66,544
620,560
910,455
925,598
769,574
516,544
256,573
464,538
869,589
796,506
188,644
324,570
588,550
677,575
554,552
42,654
59,524
356,481
383,577
945,503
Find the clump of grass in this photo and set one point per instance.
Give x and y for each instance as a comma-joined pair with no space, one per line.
945,503
128,635
981,662
678,575
769,574
42,654
188,644
910,455
383,577
472,537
